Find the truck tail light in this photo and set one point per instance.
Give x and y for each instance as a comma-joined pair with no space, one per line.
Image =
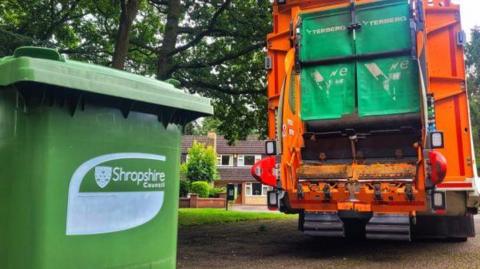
271,147
272,200
438,167
264,171
438,201
436,140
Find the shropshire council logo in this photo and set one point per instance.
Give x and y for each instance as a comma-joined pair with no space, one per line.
115,192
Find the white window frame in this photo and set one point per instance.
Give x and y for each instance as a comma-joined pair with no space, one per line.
241,160
249,189
219,160
265,189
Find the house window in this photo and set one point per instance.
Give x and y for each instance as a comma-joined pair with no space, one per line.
256,189
248,160
225,160
265,189
241,160
248,189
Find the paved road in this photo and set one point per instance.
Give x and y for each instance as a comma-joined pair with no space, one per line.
277,244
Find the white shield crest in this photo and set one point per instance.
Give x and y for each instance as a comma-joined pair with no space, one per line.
103,174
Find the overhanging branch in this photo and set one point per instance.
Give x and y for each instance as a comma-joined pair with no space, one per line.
217,88
221,60
204,33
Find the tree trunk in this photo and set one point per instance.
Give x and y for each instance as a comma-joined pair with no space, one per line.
164,63
127,15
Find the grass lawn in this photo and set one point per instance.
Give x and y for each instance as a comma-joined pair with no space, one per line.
199,216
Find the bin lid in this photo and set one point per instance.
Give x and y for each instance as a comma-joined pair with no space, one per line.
47,66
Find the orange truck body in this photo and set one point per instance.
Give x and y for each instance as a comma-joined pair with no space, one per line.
440,52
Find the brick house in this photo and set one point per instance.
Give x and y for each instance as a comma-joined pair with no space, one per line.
234,163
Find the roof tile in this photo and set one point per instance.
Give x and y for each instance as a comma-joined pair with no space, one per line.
249,146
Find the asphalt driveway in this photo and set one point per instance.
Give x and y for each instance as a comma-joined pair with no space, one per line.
278,244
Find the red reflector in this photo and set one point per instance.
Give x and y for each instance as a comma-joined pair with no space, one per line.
263,171
438,164
441,212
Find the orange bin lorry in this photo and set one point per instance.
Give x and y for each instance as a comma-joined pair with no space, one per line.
369,127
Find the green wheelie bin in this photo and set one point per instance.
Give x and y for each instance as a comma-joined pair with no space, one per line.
89,161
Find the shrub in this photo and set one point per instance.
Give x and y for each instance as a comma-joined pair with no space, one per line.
201,188
213,192
201,164
184,188
183,172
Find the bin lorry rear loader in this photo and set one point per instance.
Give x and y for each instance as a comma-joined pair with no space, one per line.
369,128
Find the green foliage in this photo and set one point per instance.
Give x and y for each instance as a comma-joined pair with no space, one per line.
190,128
209,124
473,64
473,61
203,127
201,164
237,84
199,171
201,188
202,216
183,171
217,48
184,188
214,192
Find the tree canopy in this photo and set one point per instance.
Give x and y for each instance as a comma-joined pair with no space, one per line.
473,65
215,48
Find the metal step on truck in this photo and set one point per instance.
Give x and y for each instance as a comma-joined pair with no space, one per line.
368,119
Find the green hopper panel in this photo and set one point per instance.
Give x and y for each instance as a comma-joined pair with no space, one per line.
385,27
325,35
328,91
374,87
387,86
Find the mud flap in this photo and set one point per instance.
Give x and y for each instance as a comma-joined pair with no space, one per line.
322,224
389,227
444,227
